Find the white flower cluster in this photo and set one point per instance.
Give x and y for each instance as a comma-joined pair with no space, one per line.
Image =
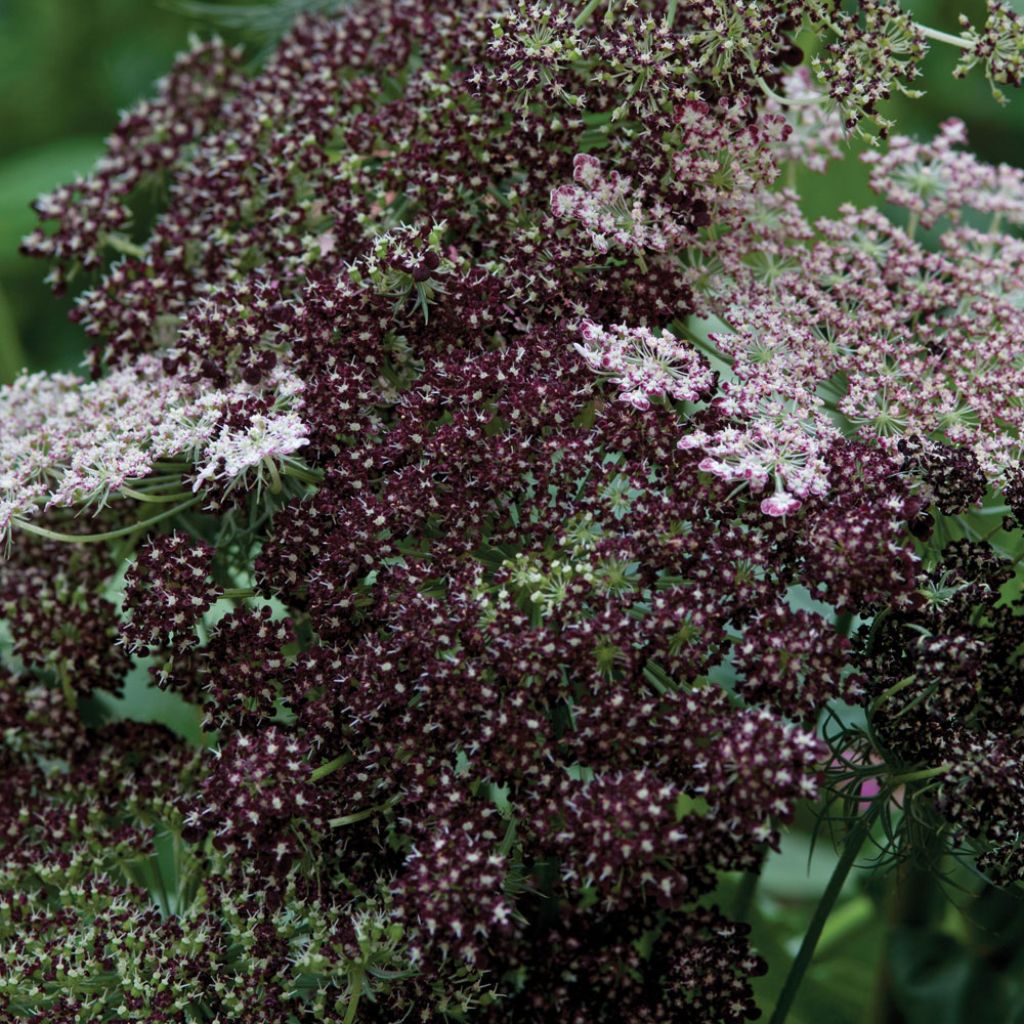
66,441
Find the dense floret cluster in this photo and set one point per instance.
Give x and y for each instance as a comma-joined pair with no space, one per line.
495,459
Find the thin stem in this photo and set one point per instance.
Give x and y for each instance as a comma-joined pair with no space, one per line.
237,593
670,14
919,776
854,841
275,477
356,983
892,691
912,221
155,499
125,245
331,766
787,101
158,479
97,538
991,510
309,476
585,15
351,819
944,37
70,697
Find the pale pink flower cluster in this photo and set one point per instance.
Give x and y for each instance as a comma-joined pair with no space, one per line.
850,328
613,211
816,126
935,179
646,365
870,332
263,442
66,441
780,447
726,158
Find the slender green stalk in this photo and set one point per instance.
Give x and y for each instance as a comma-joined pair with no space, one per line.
98,538
70,697
275,477
670,13
585,15
919,776
309,476
891,692
351,819
944,37
331,766
854,841
155,499
238,593
126,246
159,479
356,983
786,101
991,510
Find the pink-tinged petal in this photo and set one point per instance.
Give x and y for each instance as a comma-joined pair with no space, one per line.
780,504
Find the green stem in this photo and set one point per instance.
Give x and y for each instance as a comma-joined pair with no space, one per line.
275,477
585,15
155,499
944,37
854,841
70,697
351,819
670,13
991,510
791,175
331,766
891,692
97,538
309,476
126,246
914,901
356,983
158,480
919,776
237,593
786,101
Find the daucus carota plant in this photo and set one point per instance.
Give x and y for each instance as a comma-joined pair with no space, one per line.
516,482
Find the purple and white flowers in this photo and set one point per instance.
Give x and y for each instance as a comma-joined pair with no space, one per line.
478,403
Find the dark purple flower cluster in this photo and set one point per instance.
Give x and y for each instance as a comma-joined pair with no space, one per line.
464,526
946,682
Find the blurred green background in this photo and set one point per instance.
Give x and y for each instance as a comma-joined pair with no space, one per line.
68,66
